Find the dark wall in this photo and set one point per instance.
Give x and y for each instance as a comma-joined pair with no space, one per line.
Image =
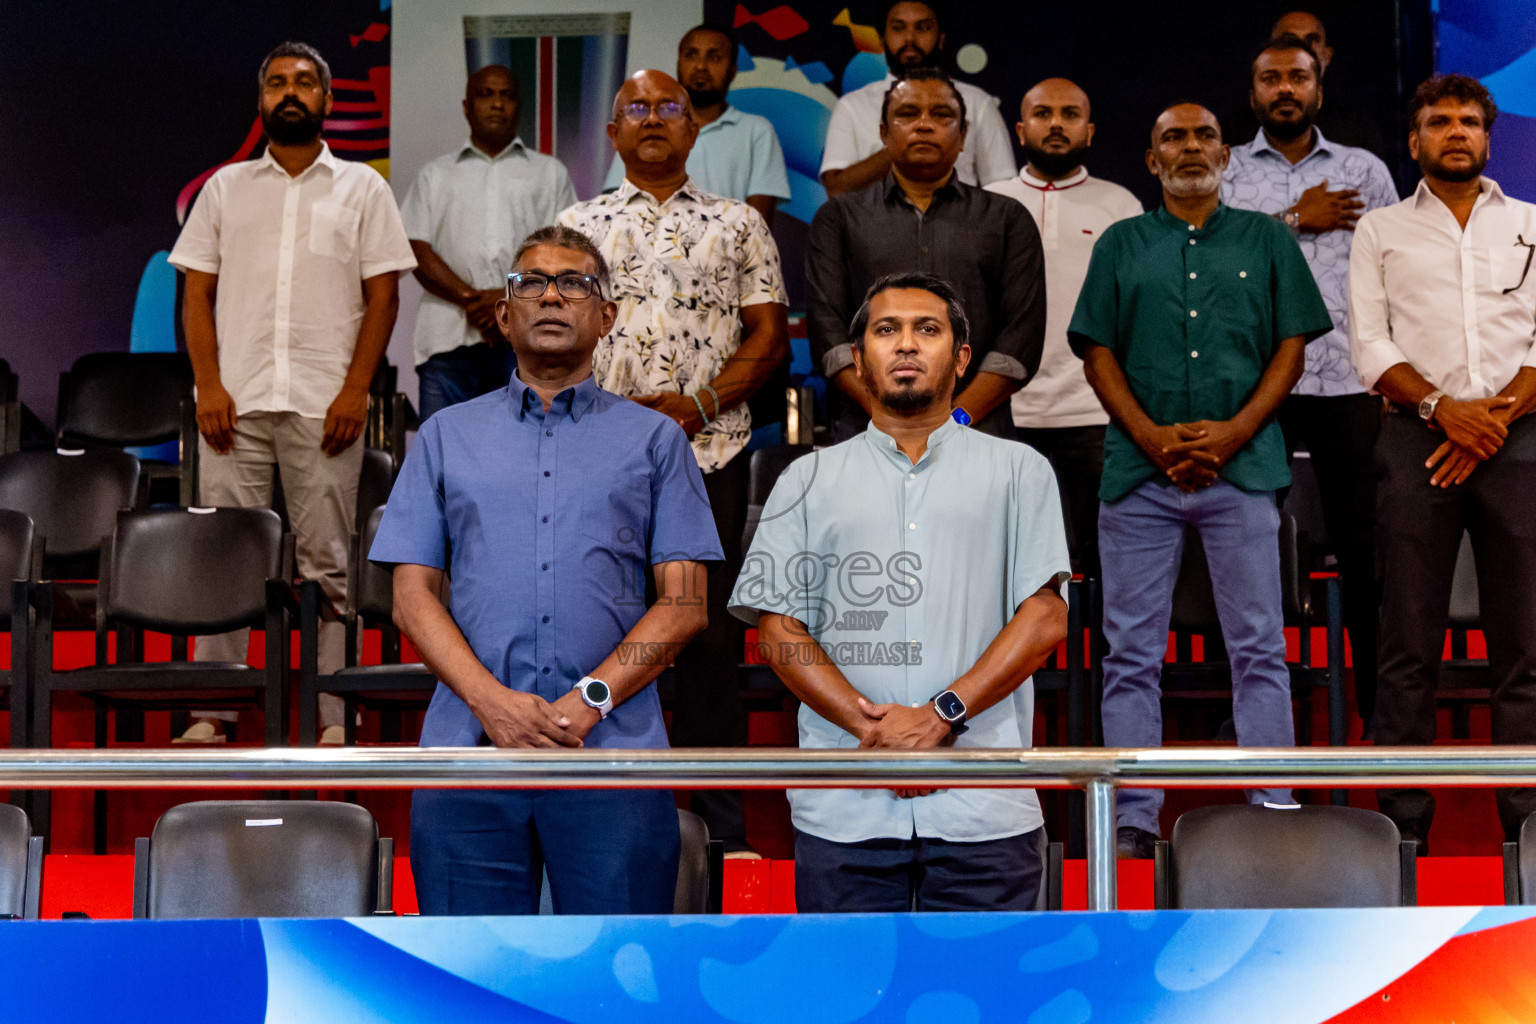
106,112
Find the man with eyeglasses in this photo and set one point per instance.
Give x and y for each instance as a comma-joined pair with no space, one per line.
1442,301
546,502
922,216
701,326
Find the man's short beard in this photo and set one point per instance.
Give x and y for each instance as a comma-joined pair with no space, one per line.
1056,164
1443,173
1285,131
927,60
1191,188
292,133
905,398
705,97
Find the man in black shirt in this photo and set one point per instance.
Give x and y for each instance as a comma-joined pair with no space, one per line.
920,217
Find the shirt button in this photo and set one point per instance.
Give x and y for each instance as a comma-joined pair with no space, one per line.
1191,275
1191,227
546,472
911,476
1242,273
545,670
545,519
1194,355
545,567
1193,313
1191,241
549,433
911,526
546,618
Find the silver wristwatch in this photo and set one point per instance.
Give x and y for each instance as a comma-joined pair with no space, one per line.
1291,219
595,694
1428,404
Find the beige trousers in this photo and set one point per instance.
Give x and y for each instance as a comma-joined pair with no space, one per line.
321,493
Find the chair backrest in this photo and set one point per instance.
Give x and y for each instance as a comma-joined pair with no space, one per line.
373,589
692,895
124,398
73,499
1194,602
1304,503
18,557
1466,611
763,472
21,857
260,858
1524,880
373,486
184,572
1252,857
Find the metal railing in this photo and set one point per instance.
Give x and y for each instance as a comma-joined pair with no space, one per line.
1098,772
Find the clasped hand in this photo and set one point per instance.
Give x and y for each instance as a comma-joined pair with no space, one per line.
512,718
1474,430
1191,454
898,727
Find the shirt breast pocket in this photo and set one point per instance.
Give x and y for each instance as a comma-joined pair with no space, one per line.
1509,271
616,510
333,230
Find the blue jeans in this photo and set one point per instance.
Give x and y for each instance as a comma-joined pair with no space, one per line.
484,851
449,378
1141,542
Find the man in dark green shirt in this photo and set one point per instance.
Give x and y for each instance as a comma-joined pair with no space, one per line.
1192,323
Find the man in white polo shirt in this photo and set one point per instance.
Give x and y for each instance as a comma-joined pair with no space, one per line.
291,266
1058,414
855,155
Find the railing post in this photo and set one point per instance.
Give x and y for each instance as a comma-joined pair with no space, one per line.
1101,844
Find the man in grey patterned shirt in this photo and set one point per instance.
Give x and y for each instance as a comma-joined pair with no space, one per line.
702,325
1320,189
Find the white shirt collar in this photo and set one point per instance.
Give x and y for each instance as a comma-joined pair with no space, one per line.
516,146
1077,177
1319,144
1489,192
627,190
325,159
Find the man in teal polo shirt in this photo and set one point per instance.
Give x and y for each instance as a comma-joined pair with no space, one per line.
1192,323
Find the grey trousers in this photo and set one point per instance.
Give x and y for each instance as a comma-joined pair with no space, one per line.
321,492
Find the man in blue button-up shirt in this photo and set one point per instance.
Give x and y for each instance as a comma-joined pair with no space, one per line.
905,584
545,503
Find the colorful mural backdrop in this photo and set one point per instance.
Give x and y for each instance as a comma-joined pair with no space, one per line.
1495,41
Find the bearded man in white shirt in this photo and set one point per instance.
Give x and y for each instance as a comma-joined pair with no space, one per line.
1058,414
291,266
1443,306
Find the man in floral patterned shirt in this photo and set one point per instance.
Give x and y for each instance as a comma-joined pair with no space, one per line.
702,325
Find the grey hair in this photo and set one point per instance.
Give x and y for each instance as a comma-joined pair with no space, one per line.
568,238
303,51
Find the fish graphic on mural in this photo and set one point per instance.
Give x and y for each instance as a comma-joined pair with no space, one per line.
866,38
781,23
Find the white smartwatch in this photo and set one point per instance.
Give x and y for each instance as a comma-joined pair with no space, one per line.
596,695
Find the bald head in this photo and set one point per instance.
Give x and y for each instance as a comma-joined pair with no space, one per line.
1310,28
1054,128
650,86
653,128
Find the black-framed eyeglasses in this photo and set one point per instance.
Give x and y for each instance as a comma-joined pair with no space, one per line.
1530,250
569,284
667,110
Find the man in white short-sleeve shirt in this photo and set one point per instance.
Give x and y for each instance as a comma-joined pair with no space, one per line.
1058,414
854,156
291,266
466,215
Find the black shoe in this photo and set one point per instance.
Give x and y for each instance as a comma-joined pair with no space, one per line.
1132,843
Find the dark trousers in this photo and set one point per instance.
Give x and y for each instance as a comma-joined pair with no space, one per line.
707,711
484,851
1076,454
1340,434
470,371
893,876
1419,536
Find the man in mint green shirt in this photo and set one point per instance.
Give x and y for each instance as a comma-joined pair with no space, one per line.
1192,322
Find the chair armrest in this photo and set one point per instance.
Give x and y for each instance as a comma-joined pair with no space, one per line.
1162,875
1408,853
141,878
384,899
190,454
1512,874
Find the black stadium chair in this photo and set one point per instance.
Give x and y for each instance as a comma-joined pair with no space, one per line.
700,865
374,484
390,687
1049,897
1464,680
21,865
1252,857
1520,866
133,399
21,562
10,409
263,858
185,573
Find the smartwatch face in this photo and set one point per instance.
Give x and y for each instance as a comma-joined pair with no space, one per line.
597,692
949,705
